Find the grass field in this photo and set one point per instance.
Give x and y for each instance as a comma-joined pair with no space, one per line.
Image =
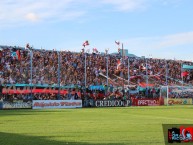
131,125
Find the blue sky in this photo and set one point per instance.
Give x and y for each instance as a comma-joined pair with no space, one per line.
151,28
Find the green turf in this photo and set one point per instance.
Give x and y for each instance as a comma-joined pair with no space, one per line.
131,125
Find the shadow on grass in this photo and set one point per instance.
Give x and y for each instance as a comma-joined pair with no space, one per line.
36,110
10,112
20,139
16,112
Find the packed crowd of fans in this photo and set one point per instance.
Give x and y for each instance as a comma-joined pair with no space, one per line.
15,69
45,68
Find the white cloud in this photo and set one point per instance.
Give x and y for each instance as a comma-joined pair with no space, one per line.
127,5
159,42
14,12
168,46
175,3
21,12
32,17
175,39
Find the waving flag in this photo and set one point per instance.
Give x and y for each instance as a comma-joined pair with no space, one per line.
95,50
117,42
184,74
86,43
27,46
118,63
16,54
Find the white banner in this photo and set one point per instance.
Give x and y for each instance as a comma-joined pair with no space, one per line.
51,104
16,105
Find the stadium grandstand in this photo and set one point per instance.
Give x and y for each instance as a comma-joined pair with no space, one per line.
74,75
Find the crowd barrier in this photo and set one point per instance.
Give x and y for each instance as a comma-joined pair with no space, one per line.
59,104
34,88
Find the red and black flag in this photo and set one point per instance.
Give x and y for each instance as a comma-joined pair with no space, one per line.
86,43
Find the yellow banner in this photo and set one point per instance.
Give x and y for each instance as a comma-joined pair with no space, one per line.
173,101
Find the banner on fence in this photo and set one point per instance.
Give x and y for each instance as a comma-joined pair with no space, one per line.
51,104
145,102
34,90
180,101
112,103
16,105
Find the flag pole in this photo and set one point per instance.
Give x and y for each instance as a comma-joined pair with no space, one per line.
128,71
182,74
31,70
85,44
85,71
107,67
122,71
107,72
147,83
58,75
